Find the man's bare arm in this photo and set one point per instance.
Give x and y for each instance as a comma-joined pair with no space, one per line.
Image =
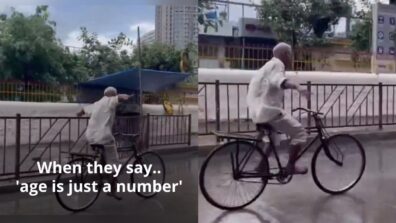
289,84
124,97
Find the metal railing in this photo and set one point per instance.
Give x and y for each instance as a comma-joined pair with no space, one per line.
223,106
254,56
24,141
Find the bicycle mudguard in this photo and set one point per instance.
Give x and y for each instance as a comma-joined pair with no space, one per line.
328,154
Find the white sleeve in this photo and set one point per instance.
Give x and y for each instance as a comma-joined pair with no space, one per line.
114,101
278,79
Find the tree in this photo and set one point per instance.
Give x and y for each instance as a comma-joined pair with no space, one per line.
302,21
360,35
29,49
101,58
362,30
158,56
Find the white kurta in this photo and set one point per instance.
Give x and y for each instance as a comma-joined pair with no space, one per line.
265,94
100,124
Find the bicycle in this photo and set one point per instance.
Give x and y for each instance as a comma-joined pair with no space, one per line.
236,173
81,201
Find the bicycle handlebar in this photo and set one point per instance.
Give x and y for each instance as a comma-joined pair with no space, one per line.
307,110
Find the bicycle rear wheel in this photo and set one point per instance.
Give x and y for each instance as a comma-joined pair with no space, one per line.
156,174
82,200
344,172
218,182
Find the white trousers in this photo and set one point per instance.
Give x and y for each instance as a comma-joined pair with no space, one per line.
291,127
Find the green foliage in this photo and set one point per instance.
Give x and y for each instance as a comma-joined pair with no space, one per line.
298,20
362,30
360,35
29,49
158,56
99,59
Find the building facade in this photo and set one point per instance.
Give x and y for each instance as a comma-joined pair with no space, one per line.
176,25
148,38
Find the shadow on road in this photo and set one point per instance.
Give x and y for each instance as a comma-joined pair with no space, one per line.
331,208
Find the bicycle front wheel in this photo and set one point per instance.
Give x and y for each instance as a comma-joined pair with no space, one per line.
72,198
219,181
156,174
338,168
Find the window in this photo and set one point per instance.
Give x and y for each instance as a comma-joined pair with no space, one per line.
381,19
380,50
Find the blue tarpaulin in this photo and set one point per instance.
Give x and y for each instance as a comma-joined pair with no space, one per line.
152,80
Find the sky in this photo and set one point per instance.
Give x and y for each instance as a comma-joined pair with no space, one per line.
104,17
107,18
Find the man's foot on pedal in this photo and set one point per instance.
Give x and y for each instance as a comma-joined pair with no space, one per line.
297,170
114,195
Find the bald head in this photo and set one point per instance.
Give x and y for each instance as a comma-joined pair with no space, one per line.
110,92
283,52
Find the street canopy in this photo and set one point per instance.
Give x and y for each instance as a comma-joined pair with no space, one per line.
152,80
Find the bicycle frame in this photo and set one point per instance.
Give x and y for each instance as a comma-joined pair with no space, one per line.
102,159
238,167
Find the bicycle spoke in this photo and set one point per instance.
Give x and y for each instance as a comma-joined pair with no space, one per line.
78,201
217,175
333,177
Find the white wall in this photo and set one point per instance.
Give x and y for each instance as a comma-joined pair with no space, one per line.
244,76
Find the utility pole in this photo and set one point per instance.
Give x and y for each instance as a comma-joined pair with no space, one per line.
140,72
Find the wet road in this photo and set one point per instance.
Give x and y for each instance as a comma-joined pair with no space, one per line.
372,200
174,207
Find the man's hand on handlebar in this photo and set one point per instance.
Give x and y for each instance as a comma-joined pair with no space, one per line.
124,97
290,84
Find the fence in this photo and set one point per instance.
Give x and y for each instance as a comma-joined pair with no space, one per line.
27,140
223,106
36,92
254,56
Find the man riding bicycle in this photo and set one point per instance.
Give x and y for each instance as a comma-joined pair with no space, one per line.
265,97
99,130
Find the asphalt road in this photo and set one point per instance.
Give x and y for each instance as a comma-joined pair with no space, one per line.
372,200
174,207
